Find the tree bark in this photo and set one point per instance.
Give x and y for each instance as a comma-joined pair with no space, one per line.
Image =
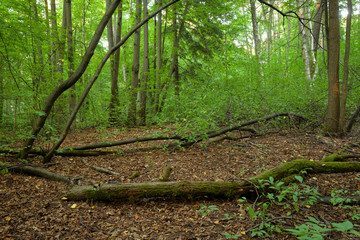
317,26
115,63
135,69
255,29
192,190
333,113
158,62
70,51
346,69
304,45
145,75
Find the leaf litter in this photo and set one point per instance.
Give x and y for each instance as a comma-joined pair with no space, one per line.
34,208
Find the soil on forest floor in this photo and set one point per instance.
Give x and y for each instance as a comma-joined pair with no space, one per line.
33,208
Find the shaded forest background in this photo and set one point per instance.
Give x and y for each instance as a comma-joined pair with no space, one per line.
198,64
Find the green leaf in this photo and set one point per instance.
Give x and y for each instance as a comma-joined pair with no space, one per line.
299,178
343,227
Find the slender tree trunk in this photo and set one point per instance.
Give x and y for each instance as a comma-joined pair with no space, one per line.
2,99
269,31
115,62
346,68
333,113
158,62
304,44
70,51
316,26
143,85
255,29
175,55
135,69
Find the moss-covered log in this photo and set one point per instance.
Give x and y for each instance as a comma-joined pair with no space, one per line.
190,189
175,190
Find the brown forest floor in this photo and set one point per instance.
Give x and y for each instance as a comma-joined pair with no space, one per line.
32,207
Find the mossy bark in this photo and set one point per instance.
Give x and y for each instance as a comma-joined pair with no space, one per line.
169,190
191,189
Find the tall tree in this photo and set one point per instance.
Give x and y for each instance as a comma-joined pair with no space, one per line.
145,75
70,49
158,61
304,41
333,51
135,68
346,68
255,28
114,63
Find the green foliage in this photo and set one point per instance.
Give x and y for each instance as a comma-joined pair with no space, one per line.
205,210
4,170
290,199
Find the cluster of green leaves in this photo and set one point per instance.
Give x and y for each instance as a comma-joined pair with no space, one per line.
291,198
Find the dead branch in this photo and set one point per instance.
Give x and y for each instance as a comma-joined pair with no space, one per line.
183,140
36,171
99,169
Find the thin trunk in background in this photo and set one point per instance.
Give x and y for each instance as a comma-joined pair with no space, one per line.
317,26
256,36
70,50
145,75
158,61
304,42
135,69
175,56
346,68
114,63
2,99
174,67
269,31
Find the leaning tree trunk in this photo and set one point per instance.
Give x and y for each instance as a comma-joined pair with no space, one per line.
49,103
94,78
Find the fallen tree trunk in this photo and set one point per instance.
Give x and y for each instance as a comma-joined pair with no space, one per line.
192,189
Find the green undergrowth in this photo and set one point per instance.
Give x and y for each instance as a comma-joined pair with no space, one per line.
291,210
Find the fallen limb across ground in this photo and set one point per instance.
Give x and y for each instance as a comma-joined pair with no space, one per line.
194,189
176,139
